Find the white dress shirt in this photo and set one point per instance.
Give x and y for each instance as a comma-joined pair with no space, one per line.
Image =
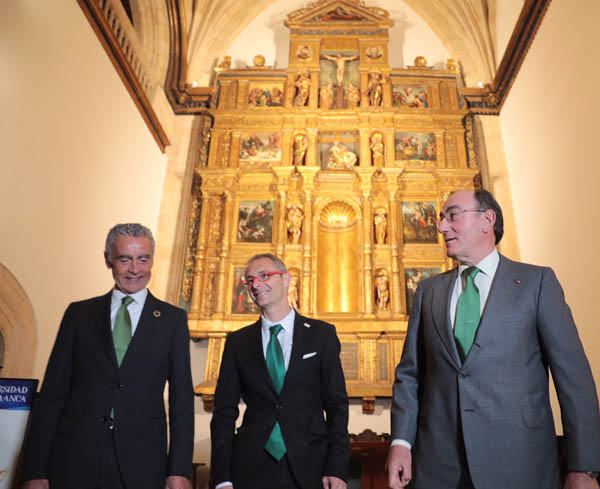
483,282
285,336
134,309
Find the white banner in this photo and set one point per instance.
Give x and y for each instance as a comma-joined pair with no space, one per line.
16,396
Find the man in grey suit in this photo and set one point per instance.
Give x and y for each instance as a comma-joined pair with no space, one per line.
471,406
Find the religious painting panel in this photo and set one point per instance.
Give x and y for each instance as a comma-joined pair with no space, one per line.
410,96
257,147
419,222
339,79
415,146
265,94
338,150
255,221
412,277
241,303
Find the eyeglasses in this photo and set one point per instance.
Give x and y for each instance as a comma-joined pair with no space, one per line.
452,216
261,277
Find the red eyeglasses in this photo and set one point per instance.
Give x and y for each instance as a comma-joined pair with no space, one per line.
261,277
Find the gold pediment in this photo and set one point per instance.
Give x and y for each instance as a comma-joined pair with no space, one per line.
338,12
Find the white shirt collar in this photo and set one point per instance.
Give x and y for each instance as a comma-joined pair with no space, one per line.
488,265
287,322
139,297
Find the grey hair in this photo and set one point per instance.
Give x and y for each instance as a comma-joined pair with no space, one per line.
279,265
132,229
485,200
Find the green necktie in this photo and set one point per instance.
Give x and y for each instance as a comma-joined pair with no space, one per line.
467,313
276,365
122,330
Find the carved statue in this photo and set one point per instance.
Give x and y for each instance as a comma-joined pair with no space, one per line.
380,222
340,61
293,292
326,95
302,89
375,88
340,156
382,292
377,148
293,221
373,52
299,148
352,96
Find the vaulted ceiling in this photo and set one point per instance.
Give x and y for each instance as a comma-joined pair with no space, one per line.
465,27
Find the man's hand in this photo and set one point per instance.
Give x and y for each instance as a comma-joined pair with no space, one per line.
178,482
37,484
330,482
399,467
580,480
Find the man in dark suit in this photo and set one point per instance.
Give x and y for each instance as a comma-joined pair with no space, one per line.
100,422
471,405
287,369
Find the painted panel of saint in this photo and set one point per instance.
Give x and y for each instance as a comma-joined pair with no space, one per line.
412,277
255,221
419,222
240,300
265,95
260,147
414,146
410,97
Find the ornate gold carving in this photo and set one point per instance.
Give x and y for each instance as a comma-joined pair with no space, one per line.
326,187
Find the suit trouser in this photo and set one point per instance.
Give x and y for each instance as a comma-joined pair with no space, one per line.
276,475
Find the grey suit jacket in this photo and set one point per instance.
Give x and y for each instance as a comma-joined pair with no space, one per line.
499,397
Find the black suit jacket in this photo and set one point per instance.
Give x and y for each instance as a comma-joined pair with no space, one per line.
314,384
70,429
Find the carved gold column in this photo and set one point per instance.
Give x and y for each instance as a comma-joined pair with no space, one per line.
281,228
368,259
313,98
387,91
195,306
234,152
365,148
223,256
311,152
395,248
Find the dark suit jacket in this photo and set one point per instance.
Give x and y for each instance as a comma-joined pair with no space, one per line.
499,396
315,446
70,423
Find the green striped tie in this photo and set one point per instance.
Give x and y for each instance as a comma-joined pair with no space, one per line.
122,330
276,365
467,313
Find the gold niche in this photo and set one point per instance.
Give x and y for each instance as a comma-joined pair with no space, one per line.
338,164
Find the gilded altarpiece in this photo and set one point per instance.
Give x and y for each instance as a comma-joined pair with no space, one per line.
338,164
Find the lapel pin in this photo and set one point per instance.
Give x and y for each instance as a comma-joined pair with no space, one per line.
156,314
307,325
518,282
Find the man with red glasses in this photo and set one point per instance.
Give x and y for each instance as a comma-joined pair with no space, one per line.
287,370
471,405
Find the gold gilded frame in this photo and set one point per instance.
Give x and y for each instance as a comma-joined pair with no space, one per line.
371,324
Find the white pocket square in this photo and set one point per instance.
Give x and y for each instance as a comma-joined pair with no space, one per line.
308,355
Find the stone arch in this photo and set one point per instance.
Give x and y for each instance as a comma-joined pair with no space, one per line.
17,326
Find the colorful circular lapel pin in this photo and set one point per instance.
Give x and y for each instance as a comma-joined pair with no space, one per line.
156,314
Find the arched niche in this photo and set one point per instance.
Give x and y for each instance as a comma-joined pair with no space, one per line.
338,264
17,327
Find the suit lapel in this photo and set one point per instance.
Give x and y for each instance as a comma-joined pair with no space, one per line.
257,354
503,294
300,339
101,320
440,305
149,319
